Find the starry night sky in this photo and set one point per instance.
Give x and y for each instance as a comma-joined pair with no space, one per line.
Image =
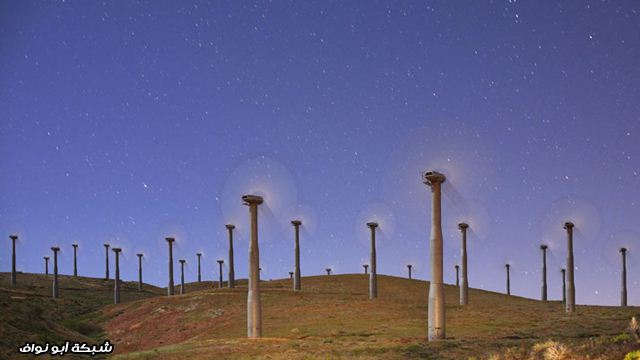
125,122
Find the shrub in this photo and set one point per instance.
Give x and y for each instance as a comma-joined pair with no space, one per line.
621,338
556,352
634,355
634,328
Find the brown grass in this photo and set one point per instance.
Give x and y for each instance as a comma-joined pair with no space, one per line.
28,313
333,318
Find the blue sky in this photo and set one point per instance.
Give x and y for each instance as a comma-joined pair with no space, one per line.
125,122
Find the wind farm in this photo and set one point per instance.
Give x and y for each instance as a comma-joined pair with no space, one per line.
329,308
320,180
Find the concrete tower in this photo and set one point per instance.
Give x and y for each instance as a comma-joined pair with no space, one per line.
570,306
116,283
199,255
140,255
366,269
328,270
544,272
13,259
220,263
457,267
232,274
55,250
182,261
508,267
623,290
170,288
75,259
106,263
46,265
464,283
564,285
291,275
297,282
254,305
373,275
409,267
437,326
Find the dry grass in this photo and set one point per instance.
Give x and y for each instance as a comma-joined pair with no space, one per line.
333,318
28,313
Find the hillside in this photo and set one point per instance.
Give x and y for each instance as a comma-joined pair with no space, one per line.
333,318
29,313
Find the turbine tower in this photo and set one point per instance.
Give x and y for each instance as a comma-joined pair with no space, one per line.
13,259
199,255
220,262
464,285
437,326
106,262
564,286
170,288
457,267
570,306
140,255
46,265
623,291
75,259
116,286
182,261
55,250
508,267
254,304
544,272
297,285
232,273
373,276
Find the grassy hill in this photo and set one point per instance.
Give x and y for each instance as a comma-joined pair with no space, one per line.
28,313
331,318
